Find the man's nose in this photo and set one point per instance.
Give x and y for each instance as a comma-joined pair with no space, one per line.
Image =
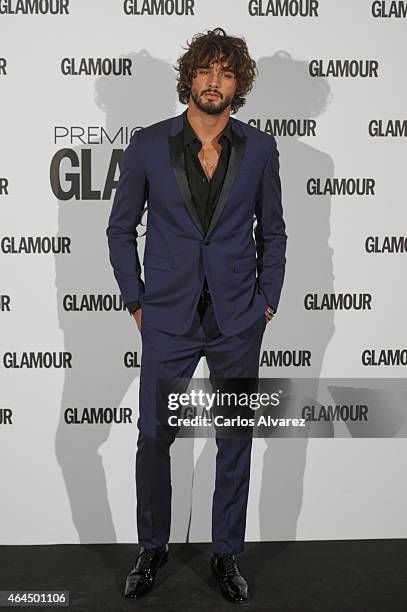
214,78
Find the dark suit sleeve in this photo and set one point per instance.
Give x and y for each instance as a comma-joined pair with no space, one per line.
270,231
133,306
125,216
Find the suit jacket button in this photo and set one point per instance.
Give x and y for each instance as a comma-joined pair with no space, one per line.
206,242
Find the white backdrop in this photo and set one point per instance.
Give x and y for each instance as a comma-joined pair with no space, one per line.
68,483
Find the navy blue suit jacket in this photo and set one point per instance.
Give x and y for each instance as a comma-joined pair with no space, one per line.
244,270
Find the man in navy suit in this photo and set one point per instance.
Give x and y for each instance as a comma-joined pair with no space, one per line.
210,285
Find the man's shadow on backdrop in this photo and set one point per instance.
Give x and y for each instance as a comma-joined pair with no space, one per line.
99,340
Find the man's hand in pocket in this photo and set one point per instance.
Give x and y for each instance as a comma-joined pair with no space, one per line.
269,313
137,316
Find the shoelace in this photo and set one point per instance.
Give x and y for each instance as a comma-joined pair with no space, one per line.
230,564
145,559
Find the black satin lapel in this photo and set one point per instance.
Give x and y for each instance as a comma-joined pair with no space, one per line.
176,146
235,159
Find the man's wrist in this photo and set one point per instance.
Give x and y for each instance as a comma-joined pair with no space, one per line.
269,312
133,306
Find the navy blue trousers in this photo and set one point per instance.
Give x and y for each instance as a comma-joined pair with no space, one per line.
170,356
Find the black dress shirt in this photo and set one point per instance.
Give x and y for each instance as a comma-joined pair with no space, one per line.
205,193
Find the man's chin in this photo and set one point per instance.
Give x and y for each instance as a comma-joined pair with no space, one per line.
212,107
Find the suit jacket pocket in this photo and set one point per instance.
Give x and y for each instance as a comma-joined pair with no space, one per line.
245,263
158,261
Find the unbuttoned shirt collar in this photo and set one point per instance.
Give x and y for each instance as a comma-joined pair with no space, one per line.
190,136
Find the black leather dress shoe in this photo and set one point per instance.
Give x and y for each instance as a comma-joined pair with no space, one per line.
142,576
233,585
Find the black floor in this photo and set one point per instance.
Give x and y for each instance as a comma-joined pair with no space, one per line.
358,575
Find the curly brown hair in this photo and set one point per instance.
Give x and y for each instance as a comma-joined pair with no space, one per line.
203,50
